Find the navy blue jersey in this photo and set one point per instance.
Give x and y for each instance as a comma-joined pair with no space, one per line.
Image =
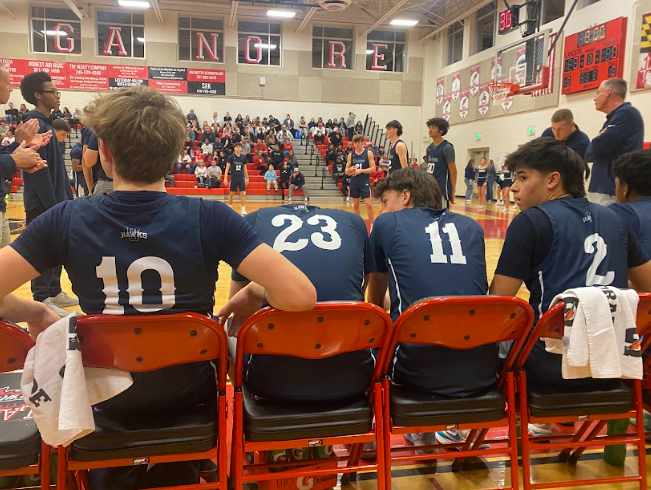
589,248
360,162
638,216
85,134
425,253
394,158
236,171
437,166
481,175
332,248
98,170
507,178
76,152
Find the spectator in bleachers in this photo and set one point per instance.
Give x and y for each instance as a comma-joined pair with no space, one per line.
192,117
342,126
285,136
201,173
385,163
311,125
285,176
331,154
335,136
215,119
289,123
287,147
246,146
21,112
261,162
66,115
206,148
239,119
192,132
359,128
227,118
169,179
223,158
214,175
227,141
319,134
186,163
276,156
8,139
330,126
292,161
297,182
271,178
56,114
236,136
338,167
320,121
350,123
208,133
188,145
302,127
271,139
260,146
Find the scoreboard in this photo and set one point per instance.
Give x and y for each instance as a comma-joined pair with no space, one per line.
594,55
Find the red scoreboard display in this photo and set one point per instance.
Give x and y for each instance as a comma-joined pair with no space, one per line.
594,55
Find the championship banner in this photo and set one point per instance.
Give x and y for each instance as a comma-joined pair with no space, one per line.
456,86
474,80
484,100
440,89
464,104
447,107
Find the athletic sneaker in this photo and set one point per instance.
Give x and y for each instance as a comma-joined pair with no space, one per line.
452,436
59,311
421,439
515,207
62,299
347,198
536,430
244,213
467,200
482,207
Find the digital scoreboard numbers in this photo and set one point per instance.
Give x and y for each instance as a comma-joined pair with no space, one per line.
594,55
508,20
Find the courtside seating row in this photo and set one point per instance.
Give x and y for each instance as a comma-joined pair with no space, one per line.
185,185
145,343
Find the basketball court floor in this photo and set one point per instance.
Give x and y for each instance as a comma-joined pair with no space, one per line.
484,472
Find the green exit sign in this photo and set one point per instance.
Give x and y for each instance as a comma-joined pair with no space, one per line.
532,131
478,136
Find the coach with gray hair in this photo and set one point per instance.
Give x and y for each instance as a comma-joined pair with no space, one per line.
622,133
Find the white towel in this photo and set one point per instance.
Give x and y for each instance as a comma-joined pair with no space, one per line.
600,338
60,391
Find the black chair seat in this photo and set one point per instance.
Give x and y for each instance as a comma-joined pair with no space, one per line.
411,408
20,442
153,434
268,420
547,402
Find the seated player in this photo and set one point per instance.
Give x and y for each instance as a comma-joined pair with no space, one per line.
422,251
239,175
322,236
171,265
360,166
633,194
561,241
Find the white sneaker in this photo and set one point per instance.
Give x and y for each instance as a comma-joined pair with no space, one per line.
244,213
536,430
289,200
482,207
59,311
467,200
62,299
452,436
347,198
515,207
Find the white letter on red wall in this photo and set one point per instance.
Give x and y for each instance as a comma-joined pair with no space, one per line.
258,49
378,57
203,43
57,38
337,54
114,32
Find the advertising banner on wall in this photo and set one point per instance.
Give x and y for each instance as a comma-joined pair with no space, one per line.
94,77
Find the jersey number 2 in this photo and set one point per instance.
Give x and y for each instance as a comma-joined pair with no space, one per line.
592,278
107,272
437,256
281,243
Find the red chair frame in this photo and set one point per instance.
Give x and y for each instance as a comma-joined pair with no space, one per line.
551,325
14,346
144,343
461,323
351,326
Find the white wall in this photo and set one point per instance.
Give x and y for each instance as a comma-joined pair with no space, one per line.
504,134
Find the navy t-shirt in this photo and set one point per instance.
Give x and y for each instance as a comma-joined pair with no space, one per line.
237,166
76,152
427,253
638,216
93,144
332,248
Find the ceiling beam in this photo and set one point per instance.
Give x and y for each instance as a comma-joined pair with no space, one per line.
464,15
388,14
76,8
308,15
7,11
234,5
159,15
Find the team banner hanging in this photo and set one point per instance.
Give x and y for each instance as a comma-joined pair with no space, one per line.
474,80
484,100
644,61
456,86
440,89
447,107
94,77
464,104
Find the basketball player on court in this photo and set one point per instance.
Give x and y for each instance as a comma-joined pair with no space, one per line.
239,175
360,166
422,251
561,241
398,153
178,241
440,159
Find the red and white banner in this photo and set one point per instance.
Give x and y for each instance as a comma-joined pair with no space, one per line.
440,88
483,106
464,104
447,107
474,80
456,86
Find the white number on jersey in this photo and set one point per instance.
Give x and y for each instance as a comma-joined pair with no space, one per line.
107,272
437,256
430,168
592,278
282,243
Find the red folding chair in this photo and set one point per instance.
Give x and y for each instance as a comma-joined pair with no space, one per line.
456,323
327,330
147,343
644,327
593,409
22,452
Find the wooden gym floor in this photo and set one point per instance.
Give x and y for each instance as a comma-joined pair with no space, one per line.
487,472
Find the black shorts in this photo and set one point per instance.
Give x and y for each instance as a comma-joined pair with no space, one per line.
238,185
360,190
